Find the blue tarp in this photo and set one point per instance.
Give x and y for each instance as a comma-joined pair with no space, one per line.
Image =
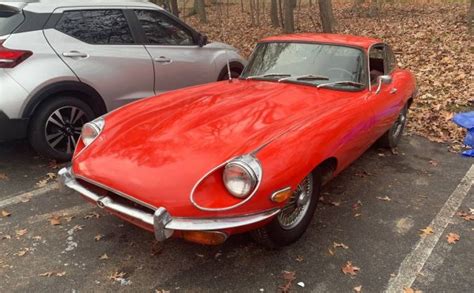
466,120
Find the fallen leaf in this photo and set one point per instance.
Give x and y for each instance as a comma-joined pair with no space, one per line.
362,173
434,163
55,220
98,237
92,215
6,237
162,291
60,274
466,216
453,238
331,252
47,274
357,215
104,256
25,199
117,276
21,232
22,252
336,245
3,176
358,289
42,183
37,238
5,214
299,258
427,231
349,269
289,277
386,198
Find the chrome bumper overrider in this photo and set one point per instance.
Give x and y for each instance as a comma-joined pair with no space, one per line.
164,224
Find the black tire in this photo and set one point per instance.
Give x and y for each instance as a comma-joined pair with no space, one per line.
391,138
233,72
274,235
42,124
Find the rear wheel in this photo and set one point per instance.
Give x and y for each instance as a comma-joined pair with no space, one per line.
392,137
56,126
293,220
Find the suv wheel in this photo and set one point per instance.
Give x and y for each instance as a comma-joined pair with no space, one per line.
56,126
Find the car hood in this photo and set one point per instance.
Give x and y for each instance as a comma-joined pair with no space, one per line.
156,149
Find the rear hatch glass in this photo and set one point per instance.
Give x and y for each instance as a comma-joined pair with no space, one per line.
10,19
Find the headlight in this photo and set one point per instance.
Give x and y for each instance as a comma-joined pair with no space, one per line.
91,130
242,175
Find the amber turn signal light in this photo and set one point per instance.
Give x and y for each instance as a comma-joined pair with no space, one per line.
207,238
282,195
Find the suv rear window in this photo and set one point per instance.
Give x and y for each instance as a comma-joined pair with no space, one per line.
107,26
10,19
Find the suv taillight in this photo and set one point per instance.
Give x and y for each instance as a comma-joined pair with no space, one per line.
10,58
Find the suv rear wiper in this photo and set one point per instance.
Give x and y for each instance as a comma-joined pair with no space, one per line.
305,77
269,75
344,82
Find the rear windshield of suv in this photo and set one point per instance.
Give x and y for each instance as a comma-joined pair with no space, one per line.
10,19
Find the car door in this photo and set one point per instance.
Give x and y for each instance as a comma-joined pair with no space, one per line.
178,60
385,100
100,48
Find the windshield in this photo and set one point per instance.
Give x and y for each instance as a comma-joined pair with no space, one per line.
309,63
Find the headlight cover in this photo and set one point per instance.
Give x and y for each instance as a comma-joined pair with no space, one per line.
91,130
241,176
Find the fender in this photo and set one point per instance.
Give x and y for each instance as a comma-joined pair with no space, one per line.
84,91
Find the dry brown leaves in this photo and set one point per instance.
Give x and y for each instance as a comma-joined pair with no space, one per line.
466,216
50,274
349,269
432,41
5,214
410,290
453,238
288,277
426,231
3,176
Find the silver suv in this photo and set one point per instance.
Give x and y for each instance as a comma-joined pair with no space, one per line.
63,63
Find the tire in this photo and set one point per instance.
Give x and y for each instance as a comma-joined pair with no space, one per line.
279,232
225,75
392,137
45,134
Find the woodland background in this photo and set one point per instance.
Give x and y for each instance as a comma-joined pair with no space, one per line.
433,38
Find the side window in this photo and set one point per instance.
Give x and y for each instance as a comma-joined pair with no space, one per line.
376,61
101,26
161,30
391,61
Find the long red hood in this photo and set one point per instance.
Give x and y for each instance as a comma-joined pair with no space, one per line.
156,149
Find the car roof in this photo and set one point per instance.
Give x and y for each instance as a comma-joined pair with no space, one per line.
337,39
51,5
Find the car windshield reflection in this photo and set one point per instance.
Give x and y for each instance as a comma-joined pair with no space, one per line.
331,66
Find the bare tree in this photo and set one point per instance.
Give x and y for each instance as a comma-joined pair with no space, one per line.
289,22
470,18
274,13
174,7
200,7
326,14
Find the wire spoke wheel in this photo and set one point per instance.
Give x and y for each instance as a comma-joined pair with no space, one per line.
399,124
63,128
293,213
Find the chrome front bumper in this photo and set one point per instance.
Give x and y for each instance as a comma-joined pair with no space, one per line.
163,223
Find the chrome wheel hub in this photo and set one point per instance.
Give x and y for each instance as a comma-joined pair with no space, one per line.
63,128
399,124
293,213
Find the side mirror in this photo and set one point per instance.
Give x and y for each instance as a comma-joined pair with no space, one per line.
383,79
202,40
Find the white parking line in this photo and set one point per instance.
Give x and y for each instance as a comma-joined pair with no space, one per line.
28,195
414,262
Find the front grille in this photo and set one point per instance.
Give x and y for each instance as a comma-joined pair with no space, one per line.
114,196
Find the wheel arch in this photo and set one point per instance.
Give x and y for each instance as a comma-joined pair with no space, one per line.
327,168
80,90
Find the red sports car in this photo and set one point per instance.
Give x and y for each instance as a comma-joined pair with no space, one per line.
249,154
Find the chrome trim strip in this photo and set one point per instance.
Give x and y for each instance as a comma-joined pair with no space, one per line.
164,224
191,195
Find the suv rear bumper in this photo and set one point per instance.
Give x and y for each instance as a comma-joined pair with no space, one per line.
12,128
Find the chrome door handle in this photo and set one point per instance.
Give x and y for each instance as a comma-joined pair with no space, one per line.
163,59
75,54
393,91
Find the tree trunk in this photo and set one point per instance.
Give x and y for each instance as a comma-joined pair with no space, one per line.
470,18
327,18
288,7
201,10
174,7
274,13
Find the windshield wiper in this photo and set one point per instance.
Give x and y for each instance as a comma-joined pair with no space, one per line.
344,82
269,75
305,77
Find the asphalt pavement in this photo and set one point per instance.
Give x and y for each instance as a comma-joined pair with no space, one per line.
370,215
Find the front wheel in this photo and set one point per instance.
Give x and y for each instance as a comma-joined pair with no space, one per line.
392,137
293,220
56,126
